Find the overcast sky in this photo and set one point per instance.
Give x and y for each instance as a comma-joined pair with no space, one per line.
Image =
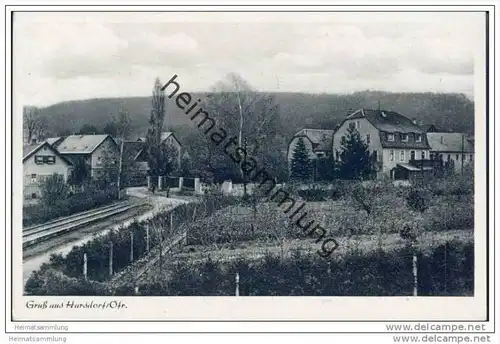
69,56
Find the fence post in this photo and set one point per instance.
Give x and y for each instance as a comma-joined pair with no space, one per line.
131,247
415,277
171,222
110,259
85,266
237,284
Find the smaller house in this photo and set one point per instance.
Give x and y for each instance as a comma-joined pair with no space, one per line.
318,143
93,149
41,161
454,149
167,138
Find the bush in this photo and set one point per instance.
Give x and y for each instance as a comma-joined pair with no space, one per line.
49,281
53,190
456,184
313,195
450,215
418,200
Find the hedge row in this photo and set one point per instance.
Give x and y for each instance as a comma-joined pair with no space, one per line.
39,213
446,270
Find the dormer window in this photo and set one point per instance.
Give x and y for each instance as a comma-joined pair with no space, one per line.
390,137
404,137
418,138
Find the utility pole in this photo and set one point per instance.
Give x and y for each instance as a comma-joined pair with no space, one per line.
462,157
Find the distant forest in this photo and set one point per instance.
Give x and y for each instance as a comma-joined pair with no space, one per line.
454,112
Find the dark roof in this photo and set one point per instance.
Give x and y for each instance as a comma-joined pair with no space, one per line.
132,148
388,121
450,142
29,150
320,138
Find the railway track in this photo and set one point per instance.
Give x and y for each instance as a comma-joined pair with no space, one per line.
35,234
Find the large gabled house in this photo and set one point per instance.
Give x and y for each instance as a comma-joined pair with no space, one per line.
396,142
41,161
95,150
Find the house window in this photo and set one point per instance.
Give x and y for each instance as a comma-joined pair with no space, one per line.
449,157
423,155
375,156
412,155
391,155
404,137
45,159
368,139
402,155
390,137
38,159
33,195
418,138
357,124
33,178
352,125
470,157
458,157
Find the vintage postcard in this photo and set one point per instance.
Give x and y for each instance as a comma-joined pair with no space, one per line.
255,164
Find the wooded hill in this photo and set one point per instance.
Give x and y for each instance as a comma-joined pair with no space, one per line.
297,110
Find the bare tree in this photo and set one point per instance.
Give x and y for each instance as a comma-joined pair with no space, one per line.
33,123
233,101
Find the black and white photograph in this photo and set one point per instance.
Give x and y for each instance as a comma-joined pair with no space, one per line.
287,155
